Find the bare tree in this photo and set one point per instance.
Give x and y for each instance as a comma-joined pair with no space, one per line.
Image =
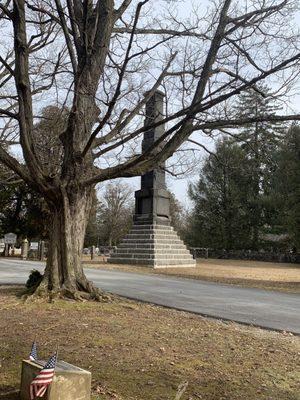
116,211
96,57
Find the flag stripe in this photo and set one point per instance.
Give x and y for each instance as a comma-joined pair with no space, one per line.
44,378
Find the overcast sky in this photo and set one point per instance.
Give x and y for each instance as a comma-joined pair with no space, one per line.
179,186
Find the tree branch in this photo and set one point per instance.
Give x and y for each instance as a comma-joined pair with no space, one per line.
65,29
24,91
15,166
119,84
120,126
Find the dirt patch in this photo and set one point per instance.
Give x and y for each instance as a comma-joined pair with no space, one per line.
143,352
264,275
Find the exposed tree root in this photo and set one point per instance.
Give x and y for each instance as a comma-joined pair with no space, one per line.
81,291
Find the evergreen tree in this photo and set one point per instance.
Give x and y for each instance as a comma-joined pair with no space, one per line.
219,218
288,185
177,214
22,211
260,141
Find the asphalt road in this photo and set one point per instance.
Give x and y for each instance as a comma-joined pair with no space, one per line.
268,309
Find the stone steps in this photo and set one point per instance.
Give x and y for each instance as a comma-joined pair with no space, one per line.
147,246
152,245
152,232
153,242
162,263
151,256
171,235
155,251
156,227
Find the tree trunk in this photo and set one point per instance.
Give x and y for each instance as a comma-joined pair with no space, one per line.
64,274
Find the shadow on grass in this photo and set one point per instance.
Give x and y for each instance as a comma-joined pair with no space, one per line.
12,290
9,393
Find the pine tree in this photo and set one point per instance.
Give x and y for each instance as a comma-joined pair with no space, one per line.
260,141
22,211
288,184
219,218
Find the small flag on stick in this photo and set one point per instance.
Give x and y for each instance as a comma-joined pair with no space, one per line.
41,382
33,354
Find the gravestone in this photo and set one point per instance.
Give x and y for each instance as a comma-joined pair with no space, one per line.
69,382
24,249
10,238
93,252
2,245
152,240
34,246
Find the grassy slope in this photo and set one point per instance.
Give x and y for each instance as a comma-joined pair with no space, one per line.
143,352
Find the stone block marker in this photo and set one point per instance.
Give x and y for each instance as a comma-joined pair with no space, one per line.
69,382
24,249
152,241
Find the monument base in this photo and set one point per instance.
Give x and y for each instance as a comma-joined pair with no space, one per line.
155,246
69,382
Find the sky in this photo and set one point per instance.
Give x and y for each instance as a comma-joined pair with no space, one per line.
179,186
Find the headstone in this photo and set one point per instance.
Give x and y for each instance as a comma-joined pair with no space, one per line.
24,249
152,240
10,238
6,250
34,246
93,252
69,382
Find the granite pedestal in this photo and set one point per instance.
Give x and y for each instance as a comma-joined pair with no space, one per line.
155,246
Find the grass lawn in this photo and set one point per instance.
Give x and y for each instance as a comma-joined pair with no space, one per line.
138,351
266,275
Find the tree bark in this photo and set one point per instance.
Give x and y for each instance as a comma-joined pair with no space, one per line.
64,276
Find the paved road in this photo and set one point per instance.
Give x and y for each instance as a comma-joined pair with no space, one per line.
269,309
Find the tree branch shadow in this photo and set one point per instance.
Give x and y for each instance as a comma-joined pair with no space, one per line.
9,393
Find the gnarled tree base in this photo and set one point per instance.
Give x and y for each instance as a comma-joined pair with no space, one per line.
83,290
64,276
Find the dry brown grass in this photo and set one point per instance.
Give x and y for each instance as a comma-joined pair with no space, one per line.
143,352
266,275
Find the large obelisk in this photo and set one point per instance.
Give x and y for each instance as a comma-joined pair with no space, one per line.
152,202
152,240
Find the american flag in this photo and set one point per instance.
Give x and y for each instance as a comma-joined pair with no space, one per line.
33,354
41,382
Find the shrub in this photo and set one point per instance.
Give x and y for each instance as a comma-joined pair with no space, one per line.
34,279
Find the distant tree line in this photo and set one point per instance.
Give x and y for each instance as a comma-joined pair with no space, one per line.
248,192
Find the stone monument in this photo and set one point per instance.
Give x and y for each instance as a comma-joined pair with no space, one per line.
69,382
24,249
152,240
